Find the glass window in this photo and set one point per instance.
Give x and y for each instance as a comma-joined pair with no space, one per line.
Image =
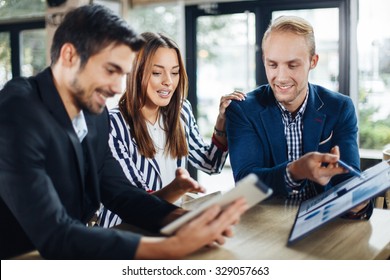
33,51
5,58
225,61
157,18
12,9
374,73
154,18
226,50
327,43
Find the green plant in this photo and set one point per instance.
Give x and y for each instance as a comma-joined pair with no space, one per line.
373,134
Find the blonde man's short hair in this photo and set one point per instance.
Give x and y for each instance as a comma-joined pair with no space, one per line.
293,24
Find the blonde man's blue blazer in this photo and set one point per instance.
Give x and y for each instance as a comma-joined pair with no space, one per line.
257,142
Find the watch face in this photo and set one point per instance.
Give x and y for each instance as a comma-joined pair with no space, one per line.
219,132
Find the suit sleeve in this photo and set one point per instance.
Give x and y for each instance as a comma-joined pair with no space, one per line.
345,135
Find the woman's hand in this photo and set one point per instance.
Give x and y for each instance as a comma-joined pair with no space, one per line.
182,184
227,99
219,128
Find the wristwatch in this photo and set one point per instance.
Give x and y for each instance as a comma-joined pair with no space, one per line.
219,133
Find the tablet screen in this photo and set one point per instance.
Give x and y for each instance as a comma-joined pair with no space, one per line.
329,205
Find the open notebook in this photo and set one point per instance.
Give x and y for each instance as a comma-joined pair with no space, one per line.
324,207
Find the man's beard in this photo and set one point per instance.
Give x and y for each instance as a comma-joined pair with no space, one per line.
79,98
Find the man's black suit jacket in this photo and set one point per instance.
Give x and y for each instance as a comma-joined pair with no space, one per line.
51,184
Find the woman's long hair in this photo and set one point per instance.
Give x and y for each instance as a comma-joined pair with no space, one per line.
134,99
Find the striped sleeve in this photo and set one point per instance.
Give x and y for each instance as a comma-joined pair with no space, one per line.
125,151
206,157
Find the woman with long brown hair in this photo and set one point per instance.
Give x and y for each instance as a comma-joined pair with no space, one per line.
154,133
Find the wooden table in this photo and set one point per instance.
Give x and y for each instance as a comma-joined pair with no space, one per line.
264,230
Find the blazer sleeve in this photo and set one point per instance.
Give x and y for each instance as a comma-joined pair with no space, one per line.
206,157
345,135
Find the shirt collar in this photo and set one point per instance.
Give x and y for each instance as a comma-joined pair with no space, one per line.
300,112
80,126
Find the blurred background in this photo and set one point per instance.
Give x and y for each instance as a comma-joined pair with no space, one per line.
220,42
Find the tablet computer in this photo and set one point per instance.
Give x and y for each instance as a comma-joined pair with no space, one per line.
250,187
321,209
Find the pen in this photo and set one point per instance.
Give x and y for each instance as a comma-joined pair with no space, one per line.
350,169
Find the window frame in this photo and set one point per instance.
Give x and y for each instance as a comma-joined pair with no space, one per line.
263,13
14,29
263,10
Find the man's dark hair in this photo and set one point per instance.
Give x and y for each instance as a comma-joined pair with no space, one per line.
90,29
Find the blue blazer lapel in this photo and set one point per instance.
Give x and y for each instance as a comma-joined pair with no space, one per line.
273,128
313,122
